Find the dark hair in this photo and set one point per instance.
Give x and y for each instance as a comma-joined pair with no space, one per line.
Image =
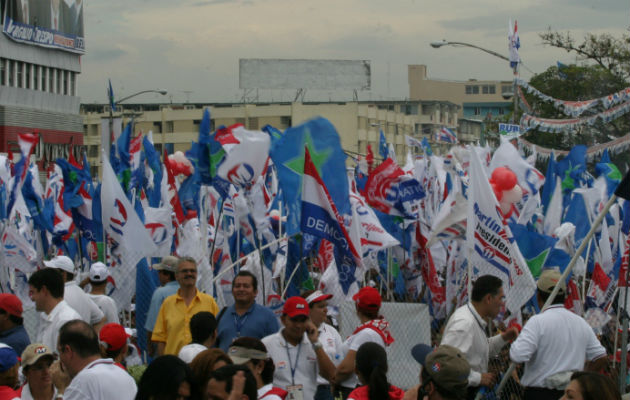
81,338
170,274
50,278
203,364
13,318
254,343
371,362
426,378
202,326
371,314
559,299
225,374
484,285
162,378
596,386
247,273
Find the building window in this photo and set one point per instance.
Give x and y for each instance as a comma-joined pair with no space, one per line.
59,79
489,89
501,111
73,84
506,89
11,65
426,110
472,89
3,71
27,75
51,80
35,77
20,74
477,110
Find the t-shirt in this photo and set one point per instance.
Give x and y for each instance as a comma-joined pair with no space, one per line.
190,351
353,343
361,393
82,303
108,306
101,380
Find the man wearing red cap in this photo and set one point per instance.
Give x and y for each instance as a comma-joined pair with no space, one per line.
113,339
297,353
12,330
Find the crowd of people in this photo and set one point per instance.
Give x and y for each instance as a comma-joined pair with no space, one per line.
196,351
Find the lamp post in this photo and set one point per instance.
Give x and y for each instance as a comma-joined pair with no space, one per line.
107,140
437,45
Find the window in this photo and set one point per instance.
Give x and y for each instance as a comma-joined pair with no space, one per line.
506,89
59,79
43,86
253,123
3,70
489,89
51,80
35,77
501,111
426,109
11,68
20,75
472,89
28,75
477,110
73,84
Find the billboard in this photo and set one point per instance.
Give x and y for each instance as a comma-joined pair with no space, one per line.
259,73
49,23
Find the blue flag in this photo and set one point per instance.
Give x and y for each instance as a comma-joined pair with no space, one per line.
382,145
534,247
287,153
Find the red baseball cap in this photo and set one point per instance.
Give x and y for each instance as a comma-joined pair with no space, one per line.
295,306
11,304
368,298
113,336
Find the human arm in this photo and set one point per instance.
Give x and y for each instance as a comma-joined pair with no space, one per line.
326,367
160,332
346,368
595,353
61,379
526,345
160,348
496,343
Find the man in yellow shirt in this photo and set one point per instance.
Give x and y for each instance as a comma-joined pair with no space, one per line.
172,331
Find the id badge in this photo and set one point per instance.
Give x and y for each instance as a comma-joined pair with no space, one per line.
296,392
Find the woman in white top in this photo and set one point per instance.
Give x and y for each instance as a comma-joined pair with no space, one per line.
372,328
37,359
328,337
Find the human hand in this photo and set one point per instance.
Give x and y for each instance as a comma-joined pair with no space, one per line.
488,379
311,331
60,377
238,385
509,334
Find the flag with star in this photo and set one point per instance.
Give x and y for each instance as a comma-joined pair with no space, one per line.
322,140
609,171
534,247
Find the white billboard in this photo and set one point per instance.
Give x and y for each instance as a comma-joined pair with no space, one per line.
259,73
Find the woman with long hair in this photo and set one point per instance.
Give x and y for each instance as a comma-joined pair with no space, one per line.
206,362
372,328
252,352
371,368
590,386
167,378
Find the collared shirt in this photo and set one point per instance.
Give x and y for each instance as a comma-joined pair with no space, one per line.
25,392
49,324
553,341
157,299
101,379
15,337
333,346
173,321
256,322
466,331
81,302
295,365
353,342
107,305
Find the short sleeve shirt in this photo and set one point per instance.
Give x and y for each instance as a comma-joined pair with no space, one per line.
256,322
157,299
101,380
82,303
333,346
108,306
50,324
353,343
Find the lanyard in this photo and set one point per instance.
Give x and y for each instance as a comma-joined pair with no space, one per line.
297,359
476,320
239,322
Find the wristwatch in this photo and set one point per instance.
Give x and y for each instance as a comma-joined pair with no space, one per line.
317,345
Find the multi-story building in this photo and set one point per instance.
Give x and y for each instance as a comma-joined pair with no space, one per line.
174,127
480,100
39,64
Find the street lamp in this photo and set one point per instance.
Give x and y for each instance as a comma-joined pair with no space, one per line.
107,142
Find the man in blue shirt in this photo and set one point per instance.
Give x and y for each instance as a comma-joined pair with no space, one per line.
245,317
12,331
166,274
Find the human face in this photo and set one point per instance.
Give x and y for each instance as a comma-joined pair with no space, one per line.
37,296
183,393
163,277
573,391
65,358
38,375
295,327
216,390
318,312
187,274
243,290
496,303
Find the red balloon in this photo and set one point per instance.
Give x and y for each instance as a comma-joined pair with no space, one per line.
504,178
498,193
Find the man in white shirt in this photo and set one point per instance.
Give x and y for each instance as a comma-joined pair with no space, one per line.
74,295
298,355
93,377
98,280
46,290
555,343
467,330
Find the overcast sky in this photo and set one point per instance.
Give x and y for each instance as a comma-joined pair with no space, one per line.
191,47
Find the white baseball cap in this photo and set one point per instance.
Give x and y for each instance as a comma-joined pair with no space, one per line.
98,272
63,263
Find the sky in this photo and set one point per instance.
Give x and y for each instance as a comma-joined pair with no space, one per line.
191,48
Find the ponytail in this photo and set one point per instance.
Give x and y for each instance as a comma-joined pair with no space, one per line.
371,362
378,387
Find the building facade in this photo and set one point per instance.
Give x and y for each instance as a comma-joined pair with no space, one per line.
480,100
174,126
38,93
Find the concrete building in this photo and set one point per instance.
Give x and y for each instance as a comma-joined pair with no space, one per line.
477,99
358,123
38,82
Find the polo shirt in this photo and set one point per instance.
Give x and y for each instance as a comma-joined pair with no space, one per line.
257,321
49,324
15,337
466,331
157,299
173,321
101,379
333,346
107,305
295,365
81,302
553,341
